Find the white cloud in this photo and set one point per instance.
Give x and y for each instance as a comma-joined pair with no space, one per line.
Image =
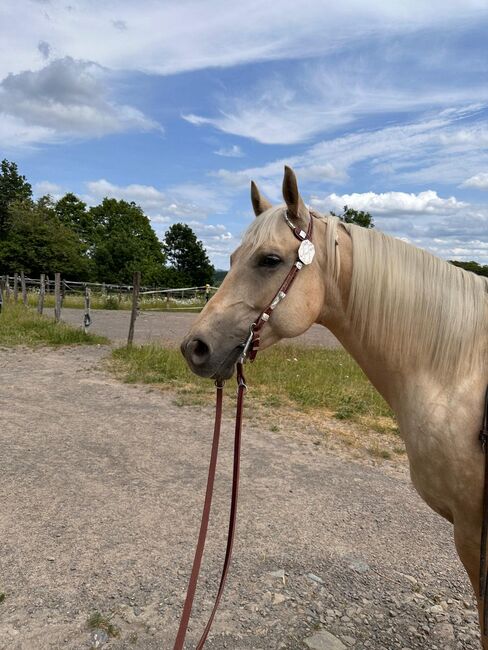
66,99
478,181
230,152
169,37
391,203
425,151
188,203
46,187
318,97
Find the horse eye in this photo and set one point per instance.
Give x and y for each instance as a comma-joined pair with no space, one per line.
270,261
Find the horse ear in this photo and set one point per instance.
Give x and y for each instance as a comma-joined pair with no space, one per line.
259,203
296,207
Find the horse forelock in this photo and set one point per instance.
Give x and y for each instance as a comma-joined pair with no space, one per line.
268,229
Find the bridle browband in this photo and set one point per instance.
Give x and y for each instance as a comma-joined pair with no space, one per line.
250,347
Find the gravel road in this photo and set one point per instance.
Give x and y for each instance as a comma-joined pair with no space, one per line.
102,486
166,327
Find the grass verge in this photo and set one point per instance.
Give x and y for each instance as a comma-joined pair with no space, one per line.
21,325
307,379
116,302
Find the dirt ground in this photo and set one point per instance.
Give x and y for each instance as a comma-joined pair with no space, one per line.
166,327
102,486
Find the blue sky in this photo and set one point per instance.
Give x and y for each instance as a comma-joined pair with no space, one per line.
178,104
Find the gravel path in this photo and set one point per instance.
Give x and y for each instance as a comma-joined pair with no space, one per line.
102,485
167,327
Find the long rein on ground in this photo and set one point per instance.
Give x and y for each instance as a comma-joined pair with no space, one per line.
250,347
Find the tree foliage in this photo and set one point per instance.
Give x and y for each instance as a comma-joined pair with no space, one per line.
14,188
104,243
358,217
187,256
472,266
124,242
37,242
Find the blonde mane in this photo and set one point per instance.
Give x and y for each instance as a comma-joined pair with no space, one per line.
418,306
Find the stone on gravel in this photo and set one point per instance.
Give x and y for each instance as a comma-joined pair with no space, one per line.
278,599
359,566
315,578
99,638
280,574
324,640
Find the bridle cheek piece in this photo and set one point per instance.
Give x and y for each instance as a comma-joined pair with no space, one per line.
305,255
250,347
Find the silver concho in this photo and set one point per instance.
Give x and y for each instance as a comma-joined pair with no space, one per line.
306,251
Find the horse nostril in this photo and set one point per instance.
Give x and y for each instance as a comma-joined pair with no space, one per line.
200,348
199,351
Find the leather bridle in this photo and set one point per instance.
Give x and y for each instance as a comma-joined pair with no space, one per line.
250,347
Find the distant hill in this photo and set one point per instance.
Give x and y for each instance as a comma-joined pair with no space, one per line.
219,276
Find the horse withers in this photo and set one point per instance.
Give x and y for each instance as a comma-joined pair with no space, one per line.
417,326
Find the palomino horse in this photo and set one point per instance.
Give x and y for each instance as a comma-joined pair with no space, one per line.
416,325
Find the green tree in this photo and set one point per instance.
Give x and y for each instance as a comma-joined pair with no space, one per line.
358,217
124,242
14,188
472,266
37,242
72,212
187,256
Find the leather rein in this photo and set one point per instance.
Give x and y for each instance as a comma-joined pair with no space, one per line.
250,347
483,575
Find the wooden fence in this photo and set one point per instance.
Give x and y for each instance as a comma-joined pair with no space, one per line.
182,298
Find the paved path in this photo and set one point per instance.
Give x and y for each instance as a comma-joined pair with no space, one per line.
102,486
167,327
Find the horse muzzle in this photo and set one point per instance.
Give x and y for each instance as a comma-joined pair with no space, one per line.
206,361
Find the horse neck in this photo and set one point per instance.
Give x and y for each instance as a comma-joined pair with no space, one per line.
387,370
334,316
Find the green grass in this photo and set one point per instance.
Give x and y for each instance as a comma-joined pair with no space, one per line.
308,378
21,325
113,301
99,621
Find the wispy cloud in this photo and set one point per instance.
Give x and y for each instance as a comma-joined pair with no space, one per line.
214,33
423,151
230,152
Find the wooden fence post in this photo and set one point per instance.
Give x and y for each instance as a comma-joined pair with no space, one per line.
57,297
7,289
2,292
135,299
16,287
42,291
87,316
24,288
